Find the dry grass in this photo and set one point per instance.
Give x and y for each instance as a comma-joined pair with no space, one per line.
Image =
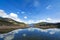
5,29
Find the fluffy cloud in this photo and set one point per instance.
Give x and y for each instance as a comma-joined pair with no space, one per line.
46,20
11,15
25,17
15,17
50,20
31,21
3,14
22,12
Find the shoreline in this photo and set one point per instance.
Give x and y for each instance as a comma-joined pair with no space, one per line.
9,29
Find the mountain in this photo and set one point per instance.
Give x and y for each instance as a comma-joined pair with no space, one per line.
8,24
46,25
31,25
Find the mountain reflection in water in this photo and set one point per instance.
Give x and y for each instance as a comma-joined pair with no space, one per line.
32,34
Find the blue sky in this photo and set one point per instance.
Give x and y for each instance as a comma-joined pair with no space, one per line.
31,11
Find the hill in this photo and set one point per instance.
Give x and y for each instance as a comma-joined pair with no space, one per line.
7,24
46,25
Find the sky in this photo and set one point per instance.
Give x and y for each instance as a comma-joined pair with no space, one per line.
31,11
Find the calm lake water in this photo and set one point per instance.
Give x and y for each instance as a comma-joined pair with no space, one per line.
32,34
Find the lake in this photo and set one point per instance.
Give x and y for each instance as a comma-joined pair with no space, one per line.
32,34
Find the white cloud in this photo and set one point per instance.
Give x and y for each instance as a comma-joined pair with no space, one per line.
46,20
50,20
31,21
11,15
3,14
22,12
42,20
25,17
15,17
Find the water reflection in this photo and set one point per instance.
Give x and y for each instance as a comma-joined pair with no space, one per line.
32,34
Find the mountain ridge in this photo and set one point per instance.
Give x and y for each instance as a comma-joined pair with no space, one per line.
7,25
45,25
